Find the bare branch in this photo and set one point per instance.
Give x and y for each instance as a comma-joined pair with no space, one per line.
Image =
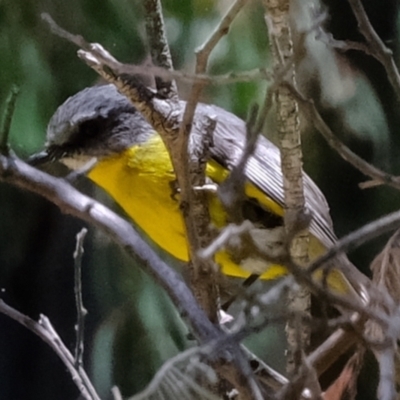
158,44
7,118
331,349
288,127
204,51
78,40
355,239
45,331
202,55
343,45
70,201
357,162
231,191
378,48
183,150
80,309
226,234
194,205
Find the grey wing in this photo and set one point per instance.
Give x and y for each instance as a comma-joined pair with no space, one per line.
263,169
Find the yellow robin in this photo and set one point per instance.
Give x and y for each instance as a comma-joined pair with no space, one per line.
134,167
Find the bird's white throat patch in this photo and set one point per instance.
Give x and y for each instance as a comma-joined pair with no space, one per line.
78,161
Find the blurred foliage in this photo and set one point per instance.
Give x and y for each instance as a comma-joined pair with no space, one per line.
132,327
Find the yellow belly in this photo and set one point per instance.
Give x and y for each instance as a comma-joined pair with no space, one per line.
141,184
140,181
143,190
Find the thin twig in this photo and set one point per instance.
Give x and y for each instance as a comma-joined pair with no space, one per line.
357,162
378,48
231,191
80,309
202,55
45,331
343,45
7,118
182,147
205,79
222,239
161,72
78,40
164,72
357,238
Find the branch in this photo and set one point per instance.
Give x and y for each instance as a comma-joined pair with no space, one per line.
357,238
202,55
288,127
231,192
308,107
80,309
45,331
200,270
7,118
378,48
159,48
96,57
161,72
70,201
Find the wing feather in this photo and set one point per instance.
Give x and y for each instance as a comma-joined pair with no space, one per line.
263,169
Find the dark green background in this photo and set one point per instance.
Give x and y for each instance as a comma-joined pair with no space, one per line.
131,326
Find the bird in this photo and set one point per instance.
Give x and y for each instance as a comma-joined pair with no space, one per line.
134,167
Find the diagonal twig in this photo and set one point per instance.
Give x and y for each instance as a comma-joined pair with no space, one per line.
377,47
45,331
356,161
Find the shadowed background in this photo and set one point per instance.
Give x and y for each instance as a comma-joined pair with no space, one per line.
132,327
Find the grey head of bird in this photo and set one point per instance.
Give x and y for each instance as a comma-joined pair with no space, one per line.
96,122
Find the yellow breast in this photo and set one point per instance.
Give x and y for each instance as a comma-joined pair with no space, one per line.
140,179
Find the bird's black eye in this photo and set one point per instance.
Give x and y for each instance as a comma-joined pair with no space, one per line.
91,128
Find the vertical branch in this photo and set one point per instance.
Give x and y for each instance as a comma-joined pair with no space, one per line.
201,272
7,118
195,203
188,163
291,164
80,309
159,48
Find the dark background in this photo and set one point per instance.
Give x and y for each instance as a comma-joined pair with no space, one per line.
132,327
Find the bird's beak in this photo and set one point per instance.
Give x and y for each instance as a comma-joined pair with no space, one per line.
40,158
